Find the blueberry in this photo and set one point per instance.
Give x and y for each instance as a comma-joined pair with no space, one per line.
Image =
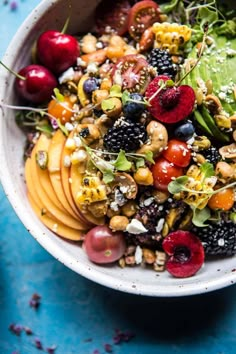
90,85
133,110
185,131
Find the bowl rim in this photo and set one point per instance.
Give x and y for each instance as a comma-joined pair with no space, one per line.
60,253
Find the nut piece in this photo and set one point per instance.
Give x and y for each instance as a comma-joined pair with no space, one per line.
158,138
126,184
143,176
222,121
160,196
201,143
228,151
89,132
160,262
118,223
98,209
213,104
149,256
224,171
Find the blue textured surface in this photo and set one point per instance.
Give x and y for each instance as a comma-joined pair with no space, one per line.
79,316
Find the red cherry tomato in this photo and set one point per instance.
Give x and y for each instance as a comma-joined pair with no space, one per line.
142,16
104,246
113,14
163,172
131,72
178,153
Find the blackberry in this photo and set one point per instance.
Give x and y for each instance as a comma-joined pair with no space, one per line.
125,135
212,154
161,61
218,238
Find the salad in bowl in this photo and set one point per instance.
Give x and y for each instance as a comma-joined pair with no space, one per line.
130,140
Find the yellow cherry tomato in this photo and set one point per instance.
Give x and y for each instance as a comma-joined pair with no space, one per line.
223,200
61,110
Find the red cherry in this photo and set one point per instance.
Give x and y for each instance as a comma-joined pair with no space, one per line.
186,253
172,104
57,51
35,83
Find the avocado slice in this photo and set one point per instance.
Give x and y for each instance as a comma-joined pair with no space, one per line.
218,64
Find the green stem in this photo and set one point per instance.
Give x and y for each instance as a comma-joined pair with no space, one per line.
13,72
213,192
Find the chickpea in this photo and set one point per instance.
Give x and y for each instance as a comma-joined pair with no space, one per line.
98,96
118,223
116,109
143,176
129,209
106,84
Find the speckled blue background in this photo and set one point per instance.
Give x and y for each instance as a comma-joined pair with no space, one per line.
79,316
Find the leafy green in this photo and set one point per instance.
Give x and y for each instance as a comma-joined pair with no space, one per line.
121,163
108,104
200,216
207,16
58,95
207,170
125,97
115,91
149,156
108,176
62,127
228,29
178,185
140,162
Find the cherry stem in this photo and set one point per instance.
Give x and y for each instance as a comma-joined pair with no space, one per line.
65,27
13,72
156,93
201,50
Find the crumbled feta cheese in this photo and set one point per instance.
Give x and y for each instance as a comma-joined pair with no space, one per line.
67,161
70,144
77,141
138,256
222,96
69,126
92,68
81,62
136,227
160,225
66,76
148,201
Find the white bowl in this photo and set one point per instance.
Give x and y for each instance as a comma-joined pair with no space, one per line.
47,15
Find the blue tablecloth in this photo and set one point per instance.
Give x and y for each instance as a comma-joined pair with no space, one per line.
81,317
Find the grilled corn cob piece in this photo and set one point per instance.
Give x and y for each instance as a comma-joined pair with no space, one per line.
171,36
197,183
92,190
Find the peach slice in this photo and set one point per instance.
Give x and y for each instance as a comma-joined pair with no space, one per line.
40,176
54,168
54,225
65,179
43,145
